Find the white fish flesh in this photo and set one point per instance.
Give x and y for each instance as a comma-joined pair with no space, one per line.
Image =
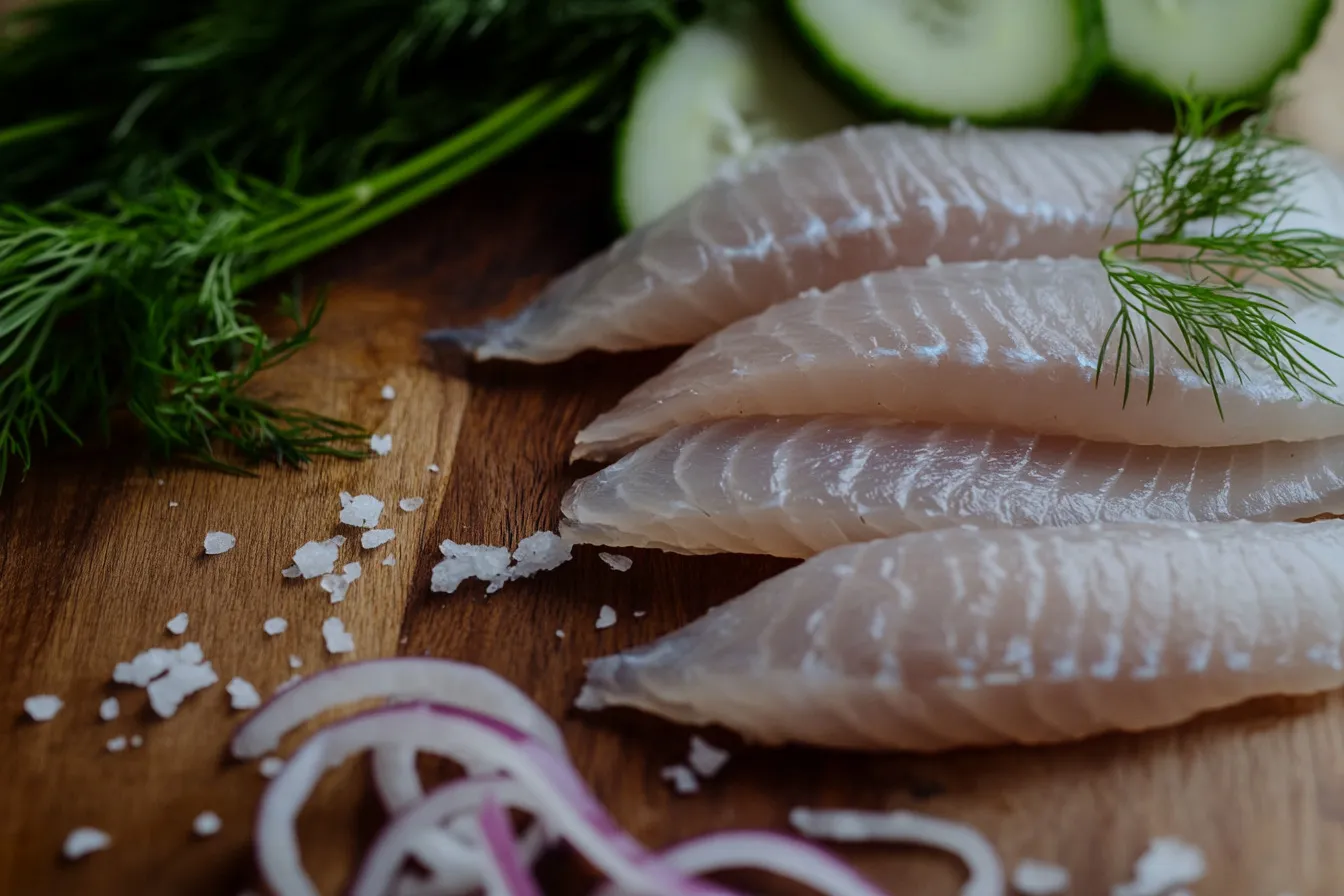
817,215
957,637
1012,343
795,486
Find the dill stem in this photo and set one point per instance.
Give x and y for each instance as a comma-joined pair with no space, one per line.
41,127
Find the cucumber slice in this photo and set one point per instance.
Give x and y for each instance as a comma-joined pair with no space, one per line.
1216,48
987,61
715,98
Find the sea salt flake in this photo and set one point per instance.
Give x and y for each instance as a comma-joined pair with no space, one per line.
606,617
109,709
137,741
559,633
178,624
638,614
336,540
388,392
82,841
42,707
363,511
410,505
375,538
1032,877
682,778
167,692
242,695
540,552
618,562
338,640
172,503
116,745
292,571
380,444
390,560
466,561
295,662
219,542
1169,863
706,759
275,625
335,585
433,468
207,824
316,558
353,571
271,766
346,498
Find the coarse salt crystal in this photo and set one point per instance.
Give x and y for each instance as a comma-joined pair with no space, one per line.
295,662
363,511
1035,878
380,444
346,498
116,745
82,841
219,542
410,505
336,586
338,640
207,824
682,778
275,625
271,766
353,571
137,741
559,633
390,560
152,663
640,613
178,624
618,562
466,561
539,552
388,392
109,709
374,538
42,707
433,468
336,540
167,692
707,759
316,558
242,695
172,503
1167,864
606,617
292,571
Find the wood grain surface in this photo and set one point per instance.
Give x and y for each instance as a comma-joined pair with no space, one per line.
94,560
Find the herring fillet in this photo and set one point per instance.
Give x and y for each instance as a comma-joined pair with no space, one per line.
958,638
821,213
795,486
1005,343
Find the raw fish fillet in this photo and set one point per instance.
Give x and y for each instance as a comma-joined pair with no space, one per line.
1010,343
825,212
794,486
958,637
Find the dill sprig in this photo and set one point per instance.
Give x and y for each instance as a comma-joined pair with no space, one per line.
1212,263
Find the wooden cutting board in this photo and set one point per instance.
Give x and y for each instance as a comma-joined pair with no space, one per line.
95,558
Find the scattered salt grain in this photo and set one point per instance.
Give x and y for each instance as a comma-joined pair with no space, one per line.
275,625
1168,863
639,614
388,392
682,778
160,482
167,692
271,766
116,745
618,562
433,468
109,709
178,624
219,542
539,552
137,741
292,571
337,638
390,560
410,505
380,445
42,707
559,633
353,571
336,586
316,558
172,503
1035,878
155,661
82,841
242,695
362,511
295,662
375,538
466,561
207,824
606,617
707,759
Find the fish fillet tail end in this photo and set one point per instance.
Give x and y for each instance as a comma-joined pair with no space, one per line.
482,341
601,677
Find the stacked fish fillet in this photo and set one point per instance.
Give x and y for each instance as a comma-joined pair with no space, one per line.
897,379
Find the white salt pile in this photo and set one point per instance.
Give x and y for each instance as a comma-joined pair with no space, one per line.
109,709
207,824
388,392
390,560
618,562
219,542
178,624
682,778
1167,864
606,617
467,561
380,445
410,505
42,707
363,511
242,695
375,538
275,625
1035,878
82,841
706,759
116,745
316,558
338,640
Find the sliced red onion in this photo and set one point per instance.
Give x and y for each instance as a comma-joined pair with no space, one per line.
561,800
396,778
401,678
504,872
